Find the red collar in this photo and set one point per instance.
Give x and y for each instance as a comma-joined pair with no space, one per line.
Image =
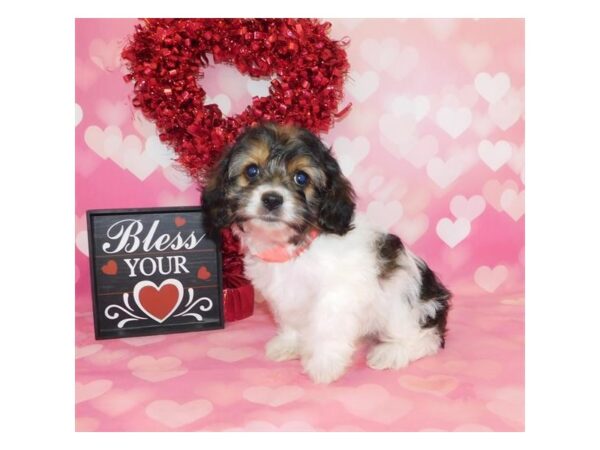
283,253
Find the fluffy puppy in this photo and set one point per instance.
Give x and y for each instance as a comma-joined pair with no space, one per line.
329,278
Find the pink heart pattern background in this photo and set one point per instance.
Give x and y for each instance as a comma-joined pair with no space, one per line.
434,146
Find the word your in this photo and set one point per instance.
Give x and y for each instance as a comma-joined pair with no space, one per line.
127,235
165,265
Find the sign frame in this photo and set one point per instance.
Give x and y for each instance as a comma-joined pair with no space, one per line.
155,328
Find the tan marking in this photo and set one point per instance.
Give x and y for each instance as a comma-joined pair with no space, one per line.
258,152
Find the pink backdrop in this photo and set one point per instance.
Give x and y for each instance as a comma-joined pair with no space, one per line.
434,145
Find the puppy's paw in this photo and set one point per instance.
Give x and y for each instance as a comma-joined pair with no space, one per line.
324,368
282,348
388,355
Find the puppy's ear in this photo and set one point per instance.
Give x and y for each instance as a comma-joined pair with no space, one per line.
337,204
214,203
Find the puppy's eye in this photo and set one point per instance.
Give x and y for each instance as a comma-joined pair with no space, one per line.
301,178
252,171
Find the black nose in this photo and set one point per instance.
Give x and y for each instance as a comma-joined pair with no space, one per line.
272,200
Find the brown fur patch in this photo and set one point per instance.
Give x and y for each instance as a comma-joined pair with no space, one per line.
285,133
389,247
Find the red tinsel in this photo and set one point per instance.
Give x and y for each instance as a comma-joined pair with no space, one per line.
166,60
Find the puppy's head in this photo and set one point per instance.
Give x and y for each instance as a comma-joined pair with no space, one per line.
278,177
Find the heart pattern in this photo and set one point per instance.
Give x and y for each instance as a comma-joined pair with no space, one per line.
434,147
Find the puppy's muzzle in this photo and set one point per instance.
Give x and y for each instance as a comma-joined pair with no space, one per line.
271,200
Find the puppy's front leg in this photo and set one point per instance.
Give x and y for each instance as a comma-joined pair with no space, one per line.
330,339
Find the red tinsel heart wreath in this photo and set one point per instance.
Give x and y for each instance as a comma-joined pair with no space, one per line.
166,59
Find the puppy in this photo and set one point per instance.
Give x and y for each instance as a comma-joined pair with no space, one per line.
329,278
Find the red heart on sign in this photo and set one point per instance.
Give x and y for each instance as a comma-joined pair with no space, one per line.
180,221
158,302
203,273
110,268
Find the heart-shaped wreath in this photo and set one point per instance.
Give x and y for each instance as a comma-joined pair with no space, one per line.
166,59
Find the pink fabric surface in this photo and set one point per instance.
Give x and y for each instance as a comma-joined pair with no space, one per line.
434,146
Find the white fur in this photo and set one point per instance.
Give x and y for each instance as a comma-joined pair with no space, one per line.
330,296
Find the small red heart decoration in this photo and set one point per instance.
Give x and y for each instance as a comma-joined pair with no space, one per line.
180,221
203,273
110,268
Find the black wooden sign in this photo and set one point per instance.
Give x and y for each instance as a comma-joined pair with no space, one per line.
153,271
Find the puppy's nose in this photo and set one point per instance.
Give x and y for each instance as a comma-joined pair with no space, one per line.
272,200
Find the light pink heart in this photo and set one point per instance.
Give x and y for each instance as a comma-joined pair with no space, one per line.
276,396
106,55
513,203
506,112
469,209
175,415
490,279
453,232
362,85
119,401
350,152
373,402
454,120
433,384
231,354
154,369
93,389
495,155
492,88
87,350
493,189
444,173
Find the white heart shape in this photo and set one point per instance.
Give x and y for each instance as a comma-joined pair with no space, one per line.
444,173
145,283
350,152
362,86
452,233
513,203
492,88
175,415
454,120
465,208
490,279
417,107
495,155
506,112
